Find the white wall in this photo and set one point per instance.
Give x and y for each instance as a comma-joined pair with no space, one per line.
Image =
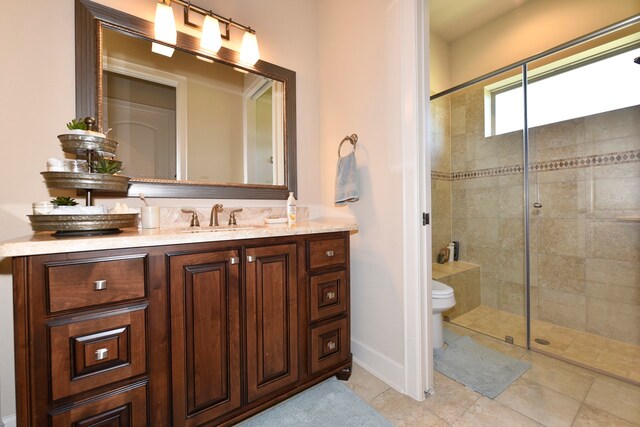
368,73
38,87
532,28
440,64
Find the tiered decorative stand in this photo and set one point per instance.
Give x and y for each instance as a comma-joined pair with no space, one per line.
90,147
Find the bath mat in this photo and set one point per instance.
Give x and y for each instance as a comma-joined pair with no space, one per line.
449,336
329,404
479,368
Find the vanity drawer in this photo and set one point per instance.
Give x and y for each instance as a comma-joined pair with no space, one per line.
328,295
329,345
90,353
326,252
94,282
127,408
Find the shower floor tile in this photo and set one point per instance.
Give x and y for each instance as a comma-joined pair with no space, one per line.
593,351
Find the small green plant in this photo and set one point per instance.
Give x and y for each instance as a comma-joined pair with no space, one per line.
108,166
64,201
77,124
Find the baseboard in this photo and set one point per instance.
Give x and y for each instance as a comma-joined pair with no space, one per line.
378,364
9,421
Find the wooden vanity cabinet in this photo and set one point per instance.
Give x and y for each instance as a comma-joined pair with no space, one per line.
184,335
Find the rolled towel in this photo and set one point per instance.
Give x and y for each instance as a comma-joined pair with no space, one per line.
347,180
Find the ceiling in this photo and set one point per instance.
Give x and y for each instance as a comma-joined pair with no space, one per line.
452,19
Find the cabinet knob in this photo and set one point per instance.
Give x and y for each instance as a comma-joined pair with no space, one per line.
331,295
329,253
234,260
99,285
251,258
331,345
101,353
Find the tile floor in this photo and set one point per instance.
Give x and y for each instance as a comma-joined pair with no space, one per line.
615,357
550,393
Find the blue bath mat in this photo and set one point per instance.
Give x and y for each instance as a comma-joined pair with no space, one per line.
479,368
327,404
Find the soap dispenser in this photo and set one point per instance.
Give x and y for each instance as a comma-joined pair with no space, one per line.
291,209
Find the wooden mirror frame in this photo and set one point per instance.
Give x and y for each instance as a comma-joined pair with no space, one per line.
91,18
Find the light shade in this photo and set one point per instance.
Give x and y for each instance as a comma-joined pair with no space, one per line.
164,29
210,39
249,52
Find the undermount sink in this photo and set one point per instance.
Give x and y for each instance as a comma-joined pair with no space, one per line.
215,228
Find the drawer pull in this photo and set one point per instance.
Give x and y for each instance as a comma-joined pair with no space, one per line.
251,258
99,285
331,345
102,353
331,295
329,253
234,260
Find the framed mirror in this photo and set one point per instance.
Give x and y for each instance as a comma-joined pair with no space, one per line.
190,126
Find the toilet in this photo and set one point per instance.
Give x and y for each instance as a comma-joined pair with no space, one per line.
442,300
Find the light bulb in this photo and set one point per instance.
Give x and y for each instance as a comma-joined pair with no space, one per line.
249,52
164,30
210,39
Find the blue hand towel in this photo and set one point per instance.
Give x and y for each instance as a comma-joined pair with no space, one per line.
347,180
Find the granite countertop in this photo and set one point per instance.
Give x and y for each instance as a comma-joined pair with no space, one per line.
45,243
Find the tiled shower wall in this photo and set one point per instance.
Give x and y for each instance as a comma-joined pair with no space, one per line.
440,137
585,246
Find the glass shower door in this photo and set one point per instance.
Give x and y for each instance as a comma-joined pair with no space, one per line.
584,145
477,188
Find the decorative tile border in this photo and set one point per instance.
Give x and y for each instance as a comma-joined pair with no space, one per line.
442,176
622,157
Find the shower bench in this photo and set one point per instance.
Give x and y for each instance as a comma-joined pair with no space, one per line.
465,279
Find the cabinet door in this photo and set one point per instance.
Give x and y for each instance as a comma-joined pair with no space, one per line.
205,335
271,319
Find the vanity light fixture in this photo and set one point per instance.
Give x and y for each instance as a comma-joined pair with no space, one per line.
249,52
164,29
210,38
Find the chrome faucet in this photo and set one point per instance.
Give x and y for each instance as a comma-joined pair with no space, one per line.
232,216
213,219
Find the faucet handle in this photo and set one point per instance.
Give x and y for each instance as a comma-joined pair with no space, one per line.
194,217
232,216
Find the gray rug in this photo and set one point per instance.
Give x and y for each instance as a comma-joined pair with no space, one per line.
481,369
329,404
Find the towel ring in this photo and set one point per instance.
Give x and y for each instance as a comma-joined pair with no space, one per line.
353,139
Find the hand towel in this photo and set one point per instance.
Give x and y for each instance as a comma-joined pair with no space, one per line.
347,180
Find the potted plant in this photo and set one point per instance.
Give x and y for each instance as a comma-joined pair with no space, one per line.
83,127
64,201
107,166
64,205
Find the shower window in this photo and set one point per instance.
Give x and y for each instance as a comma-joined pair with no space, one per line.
569,82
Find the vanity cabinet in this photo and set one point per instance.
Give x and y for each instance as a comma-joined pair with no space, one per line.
183,334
